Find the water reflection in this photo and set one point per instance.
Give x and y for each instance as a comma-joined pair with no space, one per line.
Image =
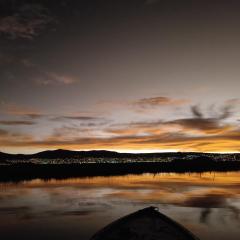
208,204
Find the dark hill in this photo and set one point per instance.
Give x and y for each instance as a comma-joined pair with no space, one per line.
175,157
60,153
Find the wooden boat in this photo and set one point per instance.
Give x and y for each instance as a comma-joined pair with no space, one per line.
145,224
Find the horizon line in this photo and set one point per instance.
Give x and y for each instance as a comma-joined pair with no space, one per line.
121,151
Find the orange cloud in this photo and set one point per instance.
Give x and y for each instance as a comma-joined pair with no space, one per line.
197,133
220,143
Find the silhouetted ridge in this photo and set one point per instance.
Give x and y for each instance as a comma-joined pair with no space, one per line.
68,156
60,153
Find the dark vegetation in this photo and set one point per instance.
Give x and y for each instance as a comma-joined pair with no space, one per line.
105,163
21,172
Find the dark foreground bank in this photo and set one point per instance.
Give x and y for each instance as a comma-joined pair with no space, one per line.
19,172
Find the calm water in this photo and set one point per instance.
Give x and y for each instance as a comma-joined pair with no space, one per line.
207,204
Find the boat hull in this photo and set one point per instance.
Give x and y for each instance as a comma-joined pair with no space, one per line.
145,224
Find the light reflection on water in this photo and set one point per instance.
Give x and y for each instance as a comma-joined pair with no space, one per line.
208,204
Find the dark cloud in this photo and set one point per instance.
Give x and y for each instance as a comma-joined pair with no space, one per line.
207,124
196,111
159,101
25,21
226,112
84,120
79,118
146,124
12,123
43,77
21,111
52,78
3,132
34,115
211,125
37,74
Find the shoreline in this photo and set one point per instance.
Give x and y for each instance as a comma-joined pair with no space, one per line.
22,172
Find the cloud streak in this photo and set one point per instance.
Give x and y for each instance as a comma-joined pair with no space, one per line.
158,102
21,111
229,141
15,123
45,77
26,22
3,132
51,78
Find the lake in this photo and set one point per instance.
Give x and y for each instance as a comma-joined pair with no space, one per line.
208,204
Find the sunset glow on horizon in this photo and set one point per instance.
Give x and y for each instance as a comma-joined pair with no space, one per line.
128,76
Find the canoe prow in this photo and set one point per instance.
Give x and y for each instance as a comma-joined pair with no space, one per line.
145,224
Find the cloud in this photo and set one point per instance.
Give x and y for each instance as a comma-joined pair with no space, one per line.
205,125
3,132
166,141
26,22
30,113
51,78
224,112
197,133
196,111
44,77
82,121
13,123
76,117
208,125
196,125
17,110
157,141
159,101
8,137
137,128
80,118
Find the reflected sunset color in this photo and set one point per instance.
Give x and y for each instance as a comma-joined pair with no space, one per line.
208,204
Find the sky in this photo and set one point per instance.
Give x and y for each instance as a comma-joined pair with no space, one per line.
128,76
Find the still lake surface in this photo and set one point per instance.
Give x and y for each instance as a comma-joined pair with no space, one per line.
208,204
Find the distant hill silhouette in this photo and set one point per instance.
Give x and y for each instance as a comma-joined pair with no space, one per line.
61,154
4,157
62,164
